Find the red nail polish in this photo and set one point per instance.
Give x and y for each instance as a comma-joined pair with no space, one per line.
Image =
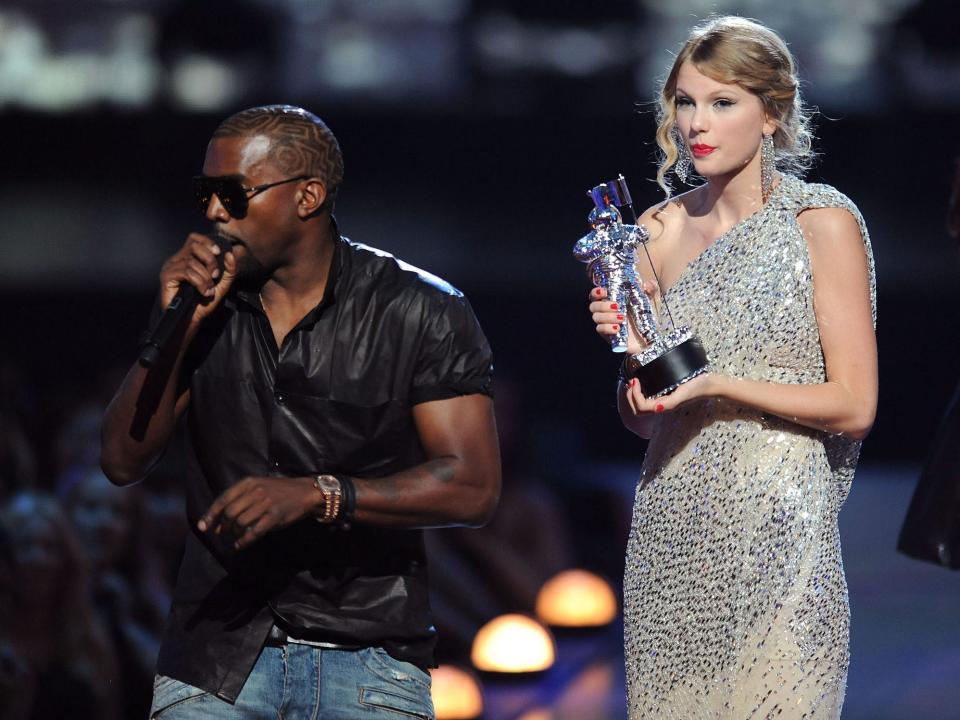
619,317
614,306
597,291
658,408
616,328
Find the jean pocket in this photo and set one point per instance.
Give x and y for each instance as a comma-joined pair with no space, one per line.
169,693
396,672
401,704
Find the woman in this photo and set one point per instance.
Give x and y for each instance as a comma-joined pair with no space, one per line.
735,603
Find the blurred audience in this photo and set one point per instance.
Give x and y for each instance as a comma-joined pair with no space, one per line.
129,601
16,684
58,662
86,568
165,529
77,443
17,464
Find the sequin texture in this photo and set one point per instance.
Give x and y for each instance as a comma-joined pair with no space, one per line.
735,602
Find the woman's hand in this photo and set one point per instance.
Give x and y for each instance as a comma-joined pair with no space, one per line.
608,316
701,386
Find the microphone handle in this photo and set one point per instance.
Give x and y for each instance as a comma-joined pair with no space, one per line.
180,308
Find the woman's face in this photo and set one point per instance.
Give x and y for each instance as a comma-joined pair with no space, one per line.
721,124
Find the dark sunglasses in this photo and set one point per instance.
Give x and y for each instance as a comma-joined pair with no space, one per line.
234,196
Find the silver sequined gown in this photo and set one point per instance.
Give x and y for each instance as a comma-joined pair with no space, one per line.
735,603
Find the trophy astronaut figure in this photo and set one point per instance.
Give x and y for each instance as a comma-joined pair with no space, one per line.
609,249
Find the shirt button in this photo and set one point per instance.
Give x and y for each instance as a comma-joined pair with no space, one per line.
279,398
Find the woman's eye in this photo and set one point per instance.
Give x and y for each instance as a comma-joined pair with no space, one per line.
684,101
724,103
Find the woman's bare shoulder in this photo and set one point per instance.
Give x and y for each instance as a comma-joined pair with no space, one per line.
667,218
821,221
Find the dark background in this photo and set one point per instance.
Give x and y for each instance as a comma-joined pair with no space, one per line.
493,204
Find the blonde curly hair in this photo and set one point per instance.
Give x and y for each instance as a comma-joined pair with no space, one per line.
735,50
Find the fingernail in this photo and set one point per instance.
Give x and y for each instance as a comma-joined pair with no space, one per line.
616,328
202,525
597,291
216,249
215,273
614,306
658,408
619,317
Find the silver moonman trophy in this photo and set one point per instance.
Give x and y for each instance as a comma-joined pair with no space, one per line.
670,358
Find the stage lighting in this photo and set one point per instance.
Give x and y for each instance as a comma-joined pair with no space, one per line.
513,643
456,694
576,598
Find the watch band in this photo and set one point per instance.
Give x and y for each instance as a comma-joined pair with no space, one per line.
329,487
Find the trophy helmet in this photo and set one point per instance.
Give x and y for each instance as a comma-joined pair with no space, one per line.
603,217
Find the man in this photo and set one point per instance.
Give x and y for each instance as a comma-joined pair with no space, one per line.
336,400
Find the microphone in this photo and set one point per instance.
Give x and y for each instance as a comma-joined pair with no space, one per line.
179,309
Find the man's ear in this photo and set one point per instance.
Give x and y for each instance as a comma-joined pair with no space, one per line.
311,198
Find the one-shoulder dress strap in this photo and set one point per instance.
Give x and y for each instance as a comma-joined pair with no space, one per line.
793,196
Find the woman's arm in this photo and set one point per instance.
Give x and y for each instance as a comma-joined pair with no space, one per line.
846,403
607,317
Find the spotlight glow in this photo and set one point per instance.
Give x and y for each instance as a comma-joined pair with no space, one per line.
576,598
513,643
456,694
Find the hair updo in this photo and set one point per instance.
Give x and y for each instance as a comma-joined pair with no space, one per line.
734,50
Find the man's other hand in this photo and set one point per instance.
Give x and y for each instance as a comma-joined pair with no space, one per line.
257,505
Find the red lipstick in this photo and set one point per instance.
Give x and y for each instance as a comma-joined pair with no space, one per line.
699,150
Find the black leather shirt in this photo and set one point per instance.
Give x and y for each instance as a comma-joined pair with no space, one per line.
335,398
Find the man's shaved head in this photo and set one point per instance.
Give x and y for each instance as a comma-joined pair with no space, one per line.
301,143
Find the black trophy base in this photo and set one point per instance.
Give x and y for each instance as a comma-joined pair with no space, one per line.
666,372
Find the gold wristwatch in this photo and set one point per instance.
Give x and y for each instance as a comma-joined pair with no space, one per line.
329,487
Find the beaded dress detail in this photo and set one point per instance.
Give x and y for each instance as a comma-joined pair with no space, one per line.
735,602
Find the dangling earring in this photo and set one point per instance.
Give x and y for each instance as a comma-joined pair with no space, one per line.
682,166
768,164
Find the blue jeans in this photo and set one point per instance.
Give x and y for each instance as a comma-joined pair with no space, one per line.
301,682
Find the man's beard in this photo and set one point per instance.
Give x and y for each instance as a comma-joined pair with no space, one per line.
251,273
